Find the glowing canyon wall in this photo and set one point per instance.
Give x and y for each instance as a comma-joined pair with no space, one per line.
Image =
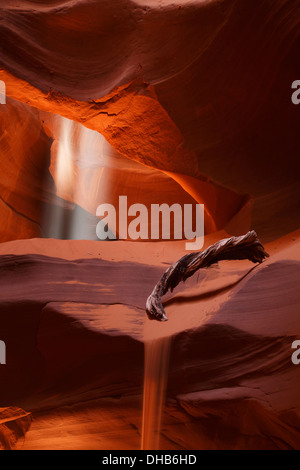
165,102
212,102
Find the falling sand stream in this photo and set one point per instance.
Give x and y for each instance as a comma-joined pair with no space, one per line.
158,338
157,353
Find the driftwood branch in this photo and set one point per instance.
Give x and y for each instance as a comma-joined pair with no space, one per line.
235,248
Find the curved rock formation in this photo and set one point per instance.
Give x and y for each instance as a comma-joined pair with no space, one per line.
193,101
230,334
105,44
14,423
23,168
219,87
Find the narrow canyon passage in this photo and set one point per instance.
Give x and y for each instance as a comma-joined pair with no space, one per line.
109,111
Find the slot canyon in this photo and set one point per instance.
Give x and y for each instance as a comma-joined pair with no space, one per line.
166,102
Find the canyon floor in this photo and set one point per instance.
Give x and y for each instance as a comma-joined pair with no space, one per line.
74,323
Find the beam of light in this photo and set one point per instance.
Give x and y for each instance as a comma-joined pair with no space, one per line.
88,167
64,172
77,166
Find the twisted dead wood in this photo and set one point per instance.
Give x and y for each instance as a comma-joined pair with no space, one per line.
235,248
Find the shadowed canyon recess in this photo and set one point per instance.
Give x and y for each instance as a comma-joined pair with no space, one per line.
162,103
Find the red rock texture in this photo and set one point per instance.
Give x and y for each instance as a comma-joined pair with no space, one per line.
78,365
208,100
23,171
14,423
194,103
